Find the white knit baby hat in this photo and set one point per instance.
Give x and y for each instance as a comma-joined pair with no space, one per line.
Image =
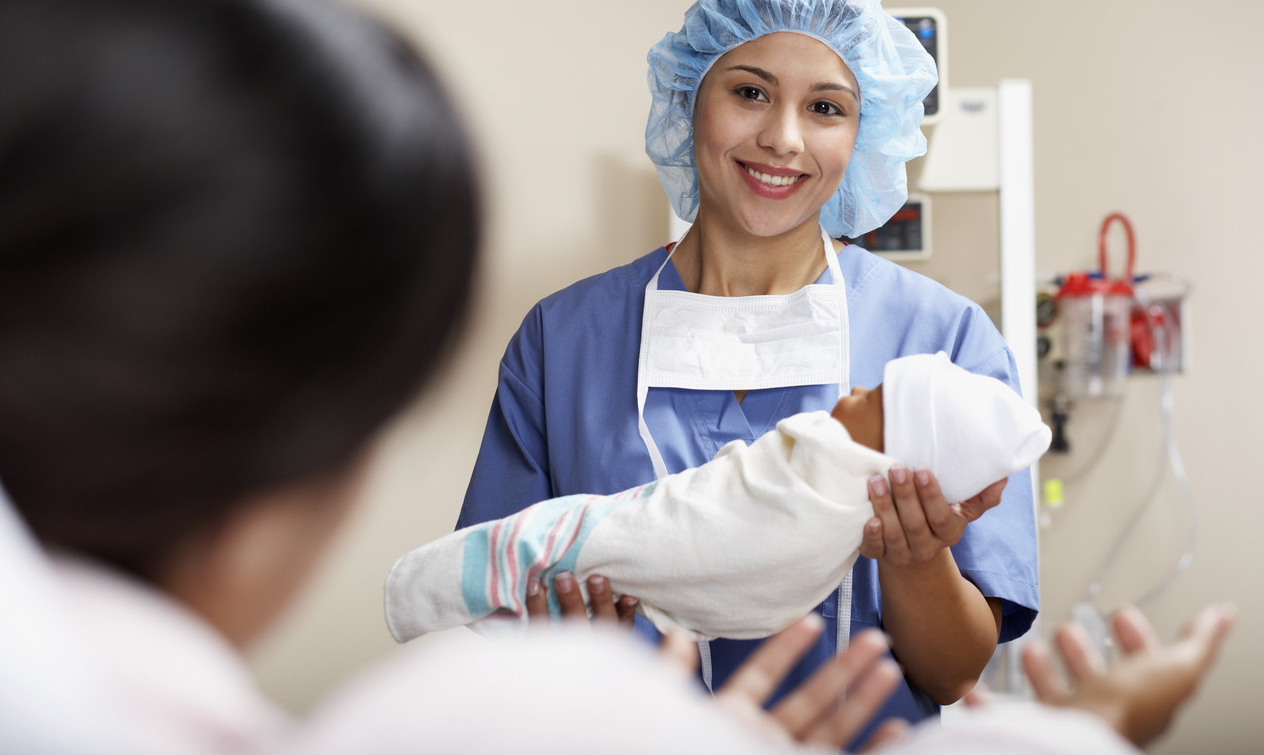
969,430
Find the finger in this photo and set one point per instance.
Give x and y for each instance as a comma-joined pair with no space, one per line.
537,601
1205,633
945,522
871,545
626,608
978,696
1081,658
569,597
804,708
888,732
981,503
756,679
894,546
864,700
601,599
1133,631
908,506
1213,622
680,650
1040,671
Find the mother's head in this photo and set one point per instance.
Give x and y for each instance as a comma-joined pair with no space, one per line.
235,238
893,71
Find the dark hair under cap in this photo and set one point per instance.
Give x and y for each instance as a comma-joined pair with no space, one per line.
236,236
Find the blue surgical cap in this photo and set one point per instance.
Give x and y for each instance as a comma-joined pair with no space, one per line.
894,71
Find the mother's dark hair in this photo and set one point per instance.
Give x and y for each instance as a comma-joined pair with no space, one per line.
235,238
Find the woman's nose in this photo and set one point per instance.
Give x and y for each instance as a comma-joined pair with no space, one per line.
782,133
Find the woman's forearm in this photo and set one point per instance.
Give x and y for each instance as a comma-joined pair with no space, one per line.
943,630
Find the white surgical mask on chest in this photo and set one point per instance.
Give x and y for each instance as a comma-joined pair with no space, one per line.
738,343
745,343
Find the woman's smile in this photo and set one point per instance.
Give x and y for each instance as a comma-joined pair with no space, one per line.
771,182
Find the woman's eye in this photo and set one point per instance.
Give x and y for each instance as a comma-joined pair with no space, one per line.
825,108
750,93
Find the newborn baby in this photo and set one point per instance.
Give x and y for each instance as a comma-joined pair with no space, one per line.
747,543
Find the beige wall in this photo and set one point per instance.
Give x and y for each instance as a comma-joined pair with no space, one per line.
1146,107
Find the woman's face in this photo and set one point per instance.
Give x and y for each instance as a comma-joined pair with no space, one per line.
774,126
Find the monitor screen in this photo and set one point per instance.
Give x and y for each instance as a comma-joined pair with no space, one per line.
926,29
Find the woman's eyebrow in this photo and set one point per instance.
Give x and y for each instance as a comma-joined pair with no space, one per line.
829,86
824,86
761,73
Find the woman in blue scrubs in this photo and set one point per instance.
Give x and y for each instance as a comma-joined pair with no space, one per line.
777,127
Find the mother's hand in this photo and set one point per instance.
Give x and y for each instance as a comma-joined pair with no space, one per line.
912,522
814,712
1139,694
605,608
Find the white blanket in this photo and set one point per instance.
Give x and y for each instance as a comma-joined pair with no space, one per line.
739,547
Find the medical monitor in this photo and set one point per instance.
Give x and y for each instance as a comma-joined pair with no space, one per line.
930,28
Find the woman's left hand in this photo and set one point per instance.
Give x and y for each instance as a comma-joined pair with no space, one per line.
912,522
942,627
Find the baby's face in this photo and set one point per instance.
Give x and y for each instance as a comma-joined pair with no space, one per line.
861,414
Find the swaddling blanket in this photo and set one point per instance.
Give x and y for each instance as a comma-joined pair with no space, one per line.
739,547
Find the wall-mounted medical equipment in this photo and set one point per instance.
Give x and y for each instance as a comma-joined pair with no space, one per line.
1096,330
930,26
906,236
963,155
1095,309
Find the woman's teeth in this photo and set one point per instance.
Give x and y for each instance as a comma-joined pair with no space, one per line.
771,180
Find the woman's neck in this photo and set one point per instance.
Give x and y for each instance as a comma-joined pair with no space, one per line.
716,260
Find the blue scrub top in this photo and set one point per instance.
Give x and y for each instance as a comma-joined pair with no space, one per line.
564,421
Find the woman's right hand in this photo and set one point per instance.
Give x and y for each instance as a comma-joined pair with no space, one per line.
1138,695
605,608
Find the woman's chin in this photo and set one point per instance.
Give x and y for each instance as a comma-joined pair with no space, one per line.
773,226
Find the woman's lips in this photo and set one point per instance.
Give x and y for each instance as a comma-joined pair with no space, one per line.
771,181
